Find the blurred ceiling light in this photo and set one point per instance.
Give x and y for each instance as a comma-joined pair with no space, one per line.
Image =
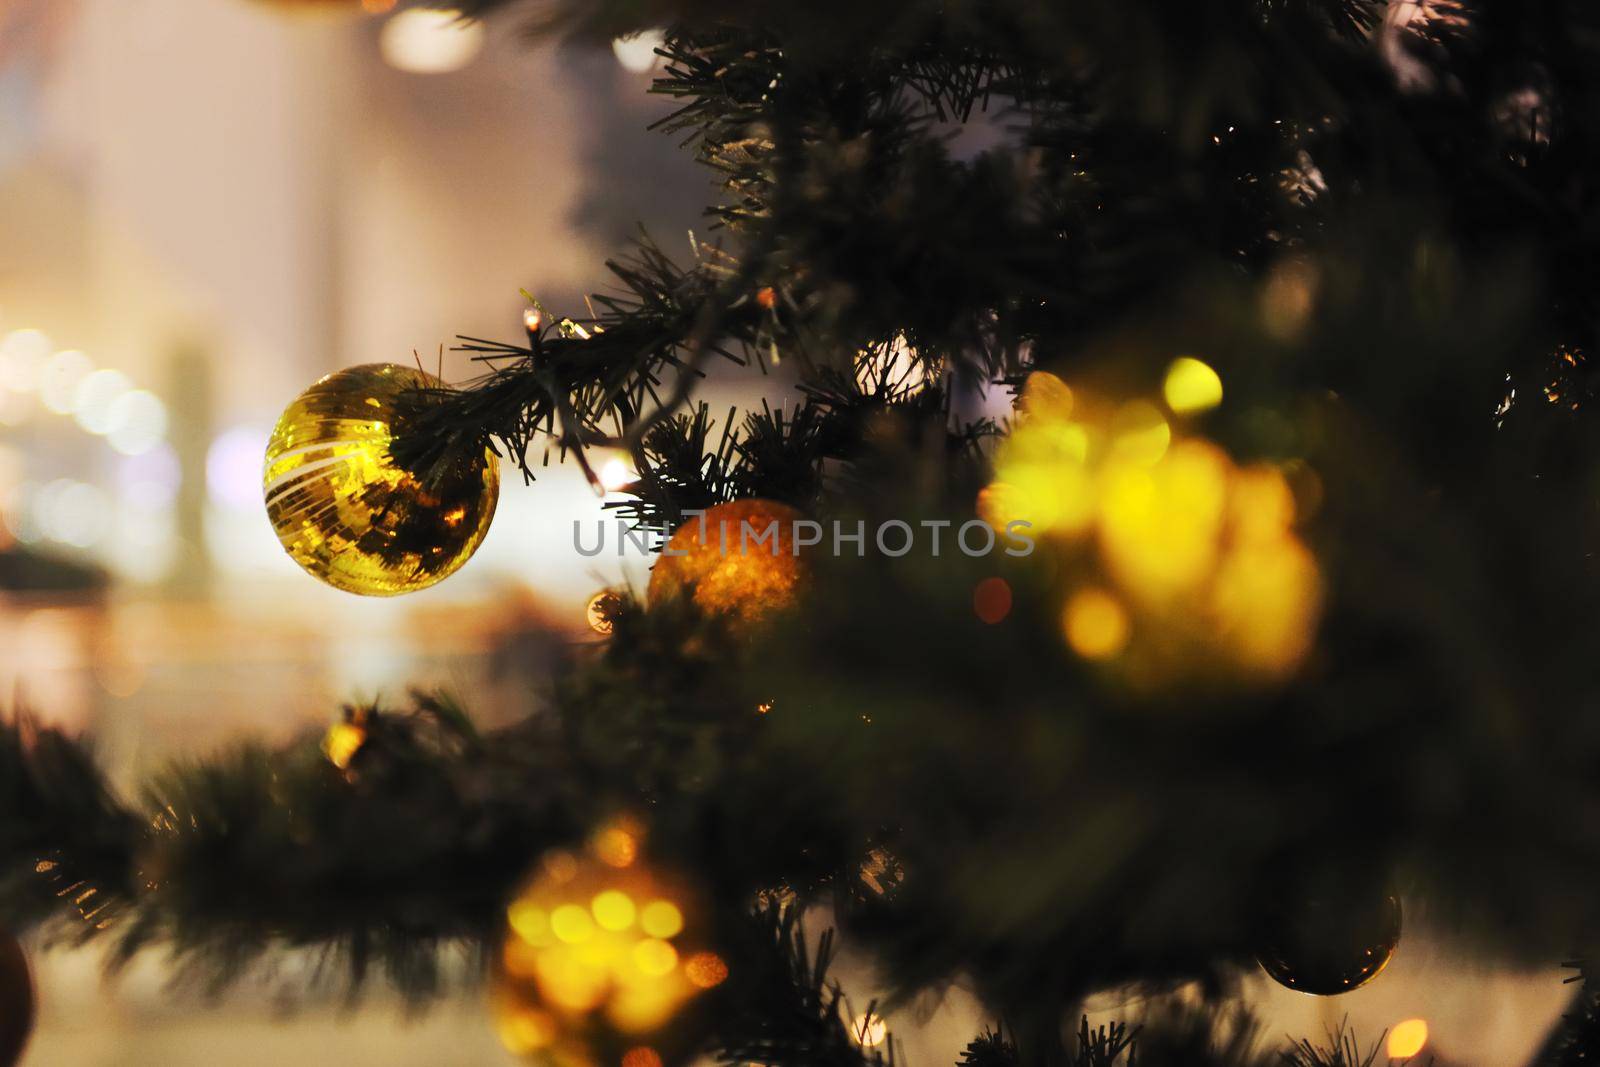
638,53
136,422
96,397
422,40
233,467
22,353
60,377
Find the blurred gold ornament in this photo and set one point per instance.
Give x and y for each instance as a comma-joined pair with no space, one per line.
602,612
342,508
599,956
737,559
1181,563
1327,947
16,1001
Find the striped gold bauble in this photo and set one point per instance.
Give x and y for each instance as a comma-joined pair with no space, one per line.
347,513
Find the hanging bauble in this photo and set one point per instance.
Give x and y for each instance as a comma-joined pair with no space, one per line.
599,958
739,559
16,1001
1327,947
347,513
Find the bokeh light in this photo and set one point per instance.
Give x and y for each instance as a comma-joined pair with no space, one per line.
94,400
71,512
233,467
638,52
59,379
991,600
138,422
1191,386
423,40
1195,562
149,479
1407,1039
1096,624
869,1030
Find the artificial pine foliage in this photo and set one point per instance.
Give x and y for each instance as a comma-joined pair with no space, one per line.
1382,234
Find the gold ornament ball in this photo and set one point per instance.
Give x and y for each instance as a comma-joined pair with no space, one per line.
602,612
16,1001
1331,947
599,957
342,508
718,557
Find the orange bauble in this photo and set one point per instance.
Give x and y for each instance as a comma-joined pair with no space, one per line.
738,559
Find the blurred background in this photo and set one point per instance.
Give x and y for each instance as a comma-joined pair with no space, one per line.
204,206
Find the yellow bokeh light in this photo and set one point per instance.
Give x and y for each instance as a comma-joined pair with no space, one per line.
869,1030
342,742
1407,1039
641,1008
1191,386
571,923
530,922
661,918
613,910
1096,624
1045,396
655,958
524,1031
1140,434
586,944
567,981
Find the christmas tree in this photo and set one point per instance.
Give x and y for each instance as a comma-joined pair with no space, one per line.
1179,562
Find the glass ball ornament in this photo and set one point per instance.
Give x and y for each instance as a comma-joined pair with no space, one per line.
16,1001
347,513
599,958
718,559
1327,947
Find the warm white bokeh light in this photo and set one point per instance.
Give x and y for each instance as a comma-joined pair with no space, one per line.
59,379
95,399
136,422
638,53
22,353
422,40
